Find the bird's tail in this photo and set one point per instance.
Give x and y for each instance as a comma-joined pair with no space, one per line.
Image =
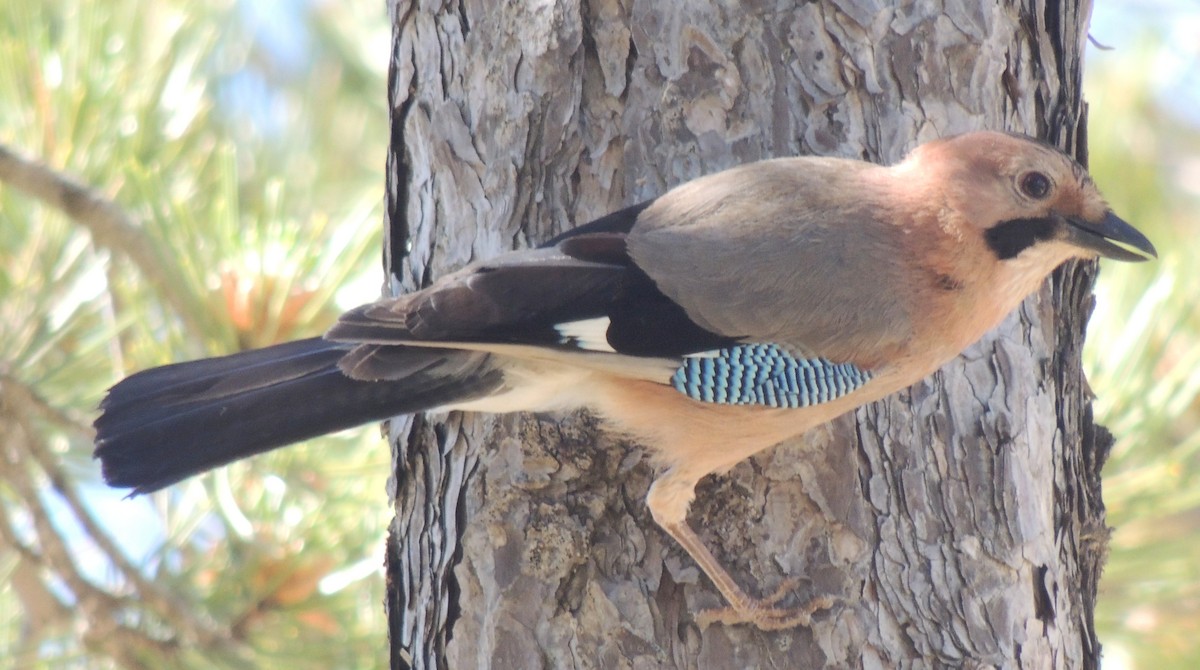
163,425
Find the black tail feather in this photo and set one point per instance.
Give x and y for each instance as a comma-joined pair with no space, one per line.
163,425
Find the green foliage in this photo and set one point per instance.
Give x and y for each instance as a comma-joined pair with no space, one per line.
1143,359
252,224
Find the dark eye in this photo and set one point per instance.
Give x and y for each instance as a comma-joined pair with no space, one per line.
1035,185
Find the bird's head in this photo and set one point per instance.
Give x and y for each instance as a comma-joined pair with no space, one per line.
1033,202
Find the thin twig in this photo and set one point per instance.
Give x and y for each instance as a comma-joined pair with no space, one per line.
1096,43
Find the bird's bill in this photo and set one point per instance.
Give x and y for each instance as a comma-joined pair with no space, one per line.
1110,237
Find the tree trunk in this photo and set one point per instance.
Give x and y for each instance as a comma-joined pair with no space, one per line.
958,523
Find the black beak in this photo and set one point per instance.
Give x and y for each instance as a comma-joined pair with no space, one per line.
1110,237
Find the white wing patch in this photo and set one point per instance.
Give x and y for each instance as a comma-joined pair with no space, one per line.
590,334
711,353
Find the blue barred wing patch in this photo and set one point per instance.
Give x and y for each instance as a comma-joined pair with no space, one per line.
766,375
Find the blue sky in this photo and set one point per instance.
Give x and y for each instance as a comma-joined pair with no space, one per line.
1175,65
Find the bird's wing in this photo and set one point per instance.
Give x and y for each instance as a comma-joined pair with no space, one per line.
579,295
793,252
714,288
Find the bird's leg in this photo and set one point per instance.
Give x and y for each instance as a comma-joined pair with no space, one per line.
760,612
669,499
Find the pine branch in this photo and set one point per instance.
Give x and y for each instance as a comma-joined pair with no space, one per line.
111,226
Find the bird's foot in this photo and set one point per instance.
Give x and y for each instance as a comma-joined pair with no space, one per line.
763,612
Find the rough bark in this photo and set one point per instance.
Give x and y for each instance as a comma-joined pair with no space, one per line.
957,522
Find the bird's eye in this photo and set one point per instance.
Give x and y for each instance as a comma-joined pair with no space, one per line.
1035,185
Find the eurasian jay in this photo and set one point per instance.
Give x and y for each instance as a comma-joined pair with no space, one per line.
731,313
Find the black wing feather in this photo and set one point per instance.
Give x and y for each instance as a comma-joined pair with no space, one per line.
520,298
620,222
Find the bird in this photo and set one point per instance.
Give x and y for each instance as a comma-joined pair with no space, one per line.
715,321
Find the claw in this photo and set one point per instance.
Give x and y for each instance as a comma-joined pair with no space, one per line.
763,613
